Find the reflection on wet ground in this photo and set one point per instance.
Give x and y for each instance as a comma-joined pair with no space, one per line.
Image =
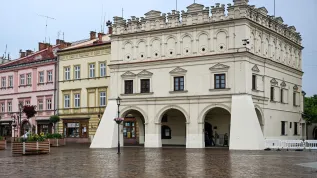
80,161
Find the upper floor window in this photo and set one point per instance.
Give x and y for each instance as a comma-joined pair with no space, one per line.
3,82
220,81
283,127
77,100
77,72
91,70
11,81
28,103
102,69
49,76
66,101
103,98
9,106
28,79
254,82
41,77
48,104
2,107
145,85
22,79
179,83
272,93
128,86
67,73
40,104
296,98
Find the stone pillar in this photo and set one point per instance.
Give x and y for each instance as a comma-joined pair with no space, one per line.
195,136
153,135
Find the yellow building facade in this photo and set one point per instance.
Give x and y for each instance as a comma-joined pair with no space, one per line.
83,87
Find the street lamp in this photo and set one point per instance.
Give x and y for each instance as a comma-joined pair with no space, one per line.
118,121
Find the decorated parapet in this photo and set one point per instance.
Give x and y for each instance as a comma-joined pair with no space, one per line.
198,14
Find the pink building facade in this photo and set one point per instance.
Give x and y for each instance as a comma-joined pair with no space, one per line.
29,80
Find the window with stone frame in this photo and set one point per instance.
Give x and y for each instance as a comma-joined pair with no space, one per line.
77,72
91,70
102,69
48,104
77,100
10,81
179,83
295,128
49,76
41,77
103,98
145,85
2,107
272,92
67,73
128,87
3,82
283,127
66,101
10,106
40,104
29,79
166,132
220,81
254,82
22,79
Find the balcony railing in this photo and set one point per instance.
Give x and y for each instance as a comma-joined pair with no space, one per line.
82,110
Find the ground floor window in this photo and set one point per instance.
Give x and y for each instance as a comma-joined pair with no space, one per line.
76,129
166,132
5,129
283,125
44,128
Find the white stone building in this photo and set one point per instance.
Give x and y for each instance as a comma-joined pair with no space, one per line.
183,74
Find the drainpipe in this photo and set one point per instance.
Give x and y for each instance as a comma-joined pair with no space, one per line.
56,93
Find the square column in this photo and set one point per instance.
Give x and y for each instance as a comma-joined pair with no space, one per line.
195,135
153,135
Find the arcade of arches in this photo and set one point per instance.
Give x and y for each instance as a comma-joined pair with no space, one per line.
173,127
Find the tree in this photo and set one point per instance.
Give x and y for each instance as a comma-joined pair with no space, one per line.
310,109
29,111
54,119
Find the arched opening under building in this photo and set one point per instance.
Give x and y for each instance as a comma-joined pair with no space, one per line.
217,127
133,128
173,128
259,115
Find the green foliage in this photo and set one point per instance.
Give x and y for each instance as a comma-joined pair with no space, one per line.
1,138
33,138
310,109
52,136
54,119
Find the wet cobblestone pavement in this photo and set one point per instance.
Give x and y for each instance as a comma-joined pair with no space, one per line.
80,161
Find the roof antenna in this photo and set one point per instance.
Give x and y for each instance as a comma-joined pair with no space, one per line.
5,51
274,8
122,12
47,17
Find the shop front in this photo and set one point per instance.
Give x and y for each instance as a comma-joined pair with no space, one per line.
6,129
44,126
76,130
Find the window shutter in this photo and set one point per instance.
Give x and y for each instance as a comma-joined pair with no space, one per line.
276,94
259,82
285,95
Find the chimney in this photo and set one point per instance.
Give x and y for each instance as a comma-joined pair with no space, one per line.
109,25
28,52
22,54
92,35
100,36
42,46
49,48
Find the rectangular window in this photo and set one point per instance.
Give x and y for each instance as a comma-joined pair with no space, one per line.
290,125
77,100
282,95
145,85
66,101
40,104
3,82
220,81
48,104
253,82
22,79
295,128
128,86
179,83
102,69
91,70
67,73
103,98
49,76
283,125
9,106
77,72
28,103
10,81
2,107
272,94
28,79
41,77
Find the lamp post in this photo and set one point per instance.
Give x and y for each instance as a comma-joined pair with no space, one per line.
118,121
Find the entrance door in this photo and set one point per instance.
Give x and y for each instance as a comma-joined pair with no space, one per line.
129,131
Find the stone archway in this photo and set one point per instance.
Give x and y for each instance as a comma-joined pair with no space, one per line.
173,127
133,128
217,127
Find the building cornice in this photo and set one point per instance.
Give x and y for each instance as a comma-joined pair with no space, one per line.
83,50
28,65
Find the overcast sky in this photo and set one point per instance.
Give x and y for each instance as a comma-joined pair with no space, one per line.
22,27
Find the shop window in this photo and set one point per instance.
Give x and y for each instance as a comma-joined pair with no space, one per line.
166,132
129,130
